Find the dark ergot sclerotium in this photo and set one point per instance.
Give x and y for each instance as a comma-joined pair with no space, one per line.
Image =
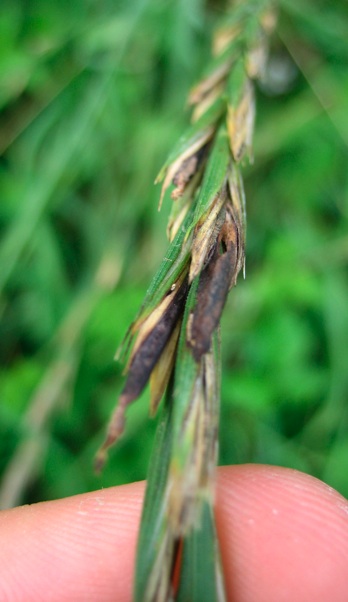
175,335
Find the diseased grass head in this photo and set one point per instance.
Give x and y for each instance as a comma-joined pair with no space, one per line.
176,330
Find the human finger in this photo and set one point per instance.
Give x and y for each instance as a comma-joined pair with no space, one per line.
283,536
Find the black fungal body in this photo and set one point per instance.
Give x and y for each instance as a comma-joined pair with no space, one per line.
150,350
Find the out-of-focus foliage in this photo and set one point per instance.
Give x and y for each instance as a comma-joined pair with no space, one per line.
91,100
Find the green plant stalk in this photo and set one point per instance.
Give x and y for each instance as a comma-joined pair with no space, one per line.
159,540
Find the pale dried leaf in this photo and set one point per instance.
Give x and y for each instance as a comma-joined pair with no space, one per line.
237,209
224,37
206,233
237,195
174,167
205,86
180,208
207,101
162,371
240,122
191,167
233,237
176,220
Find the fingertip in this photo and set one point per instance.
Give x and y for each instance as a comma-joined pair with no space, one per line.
283,536
76,549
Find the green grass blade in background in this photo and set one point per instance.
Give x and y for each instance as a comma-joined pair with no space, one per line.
55,163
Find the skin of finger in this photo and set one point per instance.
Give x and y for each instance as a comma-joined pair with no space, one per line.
78,549
283,534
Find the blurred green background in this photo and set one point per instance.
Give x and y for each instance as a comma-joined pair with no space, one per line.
92,97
